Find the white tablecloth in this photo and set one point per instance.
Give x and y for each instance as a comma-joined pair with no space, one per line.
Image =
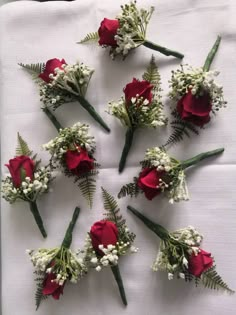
33,32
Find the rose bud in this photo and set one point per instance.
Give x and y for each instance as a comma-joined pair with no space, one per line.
107,32
103,233
195,109
21,167
79,162
199,263
140,88
50,67
52,287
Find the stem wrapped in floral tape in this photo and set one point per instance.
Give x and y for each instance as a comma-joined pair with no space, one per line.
127,32
73,151
57,266
181,256
27,180
198,96
161,173
141,107
61,83
107,240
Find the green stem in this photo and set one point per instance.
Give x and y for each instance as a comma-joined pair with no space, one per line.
53,119
68,236
37,217
163,50
187,163
211,55
159,230
90,109
128,142
117,275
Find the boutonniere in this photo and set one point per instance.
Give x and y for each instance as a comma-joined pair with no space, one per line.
141,107
181,256
73,151
161,173
198,96
61,83
127,32
27,180
55,267
107,240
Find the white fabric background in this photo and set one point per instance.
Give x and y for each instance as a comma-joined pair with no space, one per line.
33,32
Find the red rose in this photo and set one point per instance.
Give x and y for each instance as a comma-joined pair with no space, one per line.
103,233
50,67
195,109
79,162
107,32
148,181
199,263
142,88
51,287
20,167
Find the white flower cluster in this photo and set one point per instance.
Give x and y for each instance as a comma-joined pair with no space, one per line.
174,252
179,191
70,138
159,159
140,113
132,29
68,83
63,262
29,190
199,82
111,254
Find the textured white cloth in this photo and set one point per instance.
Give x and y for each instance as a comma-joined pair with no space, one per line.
33,32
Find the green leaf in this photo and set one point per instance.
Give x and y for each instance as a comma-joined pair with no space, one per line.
212,280
181,128
88,188
130,189
90,37
22,147
152,74
39,297
34,68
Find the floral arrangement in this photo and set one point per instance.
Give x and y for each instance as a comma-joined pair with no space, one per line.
197,95
73,151
107,240
140,108
56,266
181,256
163,174
61,83
127,32
27,180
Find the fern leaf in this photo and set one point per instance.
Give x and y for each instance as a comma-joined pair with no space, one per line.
39,296
130,189
22,147
90,37
212,280
88,188
34,68
152,74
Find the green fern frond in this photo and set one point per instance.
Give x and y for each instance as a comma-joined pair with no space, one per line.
90,37
152,74
212,280
88,188
181,128
22,147
34,68
39,297
130,189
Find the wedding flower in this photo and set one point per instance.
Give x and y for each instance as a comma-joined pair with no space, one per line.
107,240
141,107
198,96
57,266
181,256
127,32
163,174
27,181
61,83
